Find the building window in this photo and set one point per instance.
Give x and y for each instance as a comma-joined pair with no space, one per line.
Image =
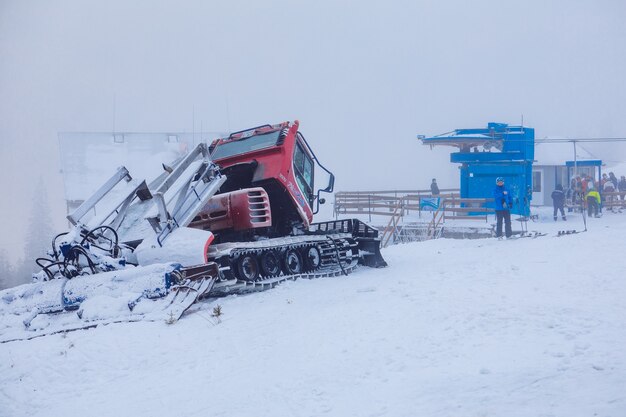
118,138
536,181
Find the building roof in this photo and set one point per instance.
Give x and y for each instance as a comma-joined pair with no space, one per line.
89,159
555,154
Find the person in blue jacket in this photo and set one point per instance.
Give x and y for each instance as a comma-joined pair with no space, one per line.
503,202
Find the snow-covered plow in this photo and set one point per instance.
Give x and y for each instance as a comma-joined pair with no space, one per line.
143,250
154,292
113,266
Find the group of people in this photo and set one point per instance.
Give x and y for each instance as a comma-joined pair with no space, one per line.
584,190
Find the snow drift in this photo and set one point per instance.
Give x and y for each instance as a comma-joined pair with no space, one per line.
528,327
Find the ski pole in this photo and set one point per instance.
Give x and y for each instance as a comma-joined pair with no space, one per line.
582,209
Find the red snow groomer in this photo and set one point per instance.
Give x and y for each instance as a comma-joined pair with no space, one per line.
232,217
268,200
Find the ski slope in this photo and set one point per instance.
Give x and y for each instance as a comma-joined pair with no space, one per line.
526,327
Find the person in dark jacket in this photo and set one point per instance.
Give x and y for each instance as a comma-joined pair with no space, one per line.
558,201
613,179
434,188
503,203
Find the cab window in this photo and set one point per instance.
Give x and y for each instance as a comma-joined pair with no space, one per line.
303,166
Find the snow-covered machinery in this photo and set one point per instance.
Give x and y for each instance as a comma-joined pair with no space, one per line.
230,218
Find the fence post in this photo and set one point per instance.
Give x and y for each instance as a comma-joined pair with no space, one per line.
419,205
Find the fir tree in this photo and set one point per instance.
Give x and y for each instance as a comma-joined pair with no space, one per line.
6,271
39,234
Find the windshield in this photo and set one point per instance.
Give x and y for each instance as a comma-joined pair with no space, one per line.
250,144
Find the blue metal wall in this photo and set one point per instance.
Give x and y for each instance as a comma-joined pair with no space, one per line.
507,151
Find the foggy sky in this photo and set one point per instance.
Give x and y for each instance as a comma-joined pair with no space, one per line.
363,77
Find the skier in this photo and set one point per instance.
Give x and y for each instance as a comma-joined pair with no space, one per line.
584,182
434,188
558,201
613,179
603,180
593,202
503,203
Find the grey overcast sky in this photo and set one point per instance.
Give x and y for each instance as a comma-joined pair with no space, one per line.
363,77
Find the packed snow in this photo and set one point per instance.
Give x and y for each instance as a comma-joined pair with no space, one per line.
526,327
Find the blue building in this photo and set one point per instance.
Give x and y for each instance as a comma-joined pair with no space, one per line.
499,150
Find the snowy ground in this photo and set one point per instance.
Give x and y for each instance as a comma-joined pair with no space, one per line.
527,327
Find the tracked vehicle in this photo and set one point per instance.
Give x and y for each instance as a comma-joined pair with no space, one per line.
232,217
269,199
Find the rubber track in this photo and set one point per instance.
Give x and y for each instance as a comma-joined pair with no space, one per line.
330,266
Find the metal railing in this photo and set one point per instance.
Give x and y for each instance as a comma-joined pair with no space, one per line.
384,203
397,204
610,201
403,202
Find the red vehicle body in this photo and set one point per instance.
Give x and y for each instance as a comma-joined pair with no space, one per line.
270,186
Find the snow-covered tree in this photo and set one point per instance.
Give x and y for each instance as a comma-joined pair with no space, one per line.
39,234
6,271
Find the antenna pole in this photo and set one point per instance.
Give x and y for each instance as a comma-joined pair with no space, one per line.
575,160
